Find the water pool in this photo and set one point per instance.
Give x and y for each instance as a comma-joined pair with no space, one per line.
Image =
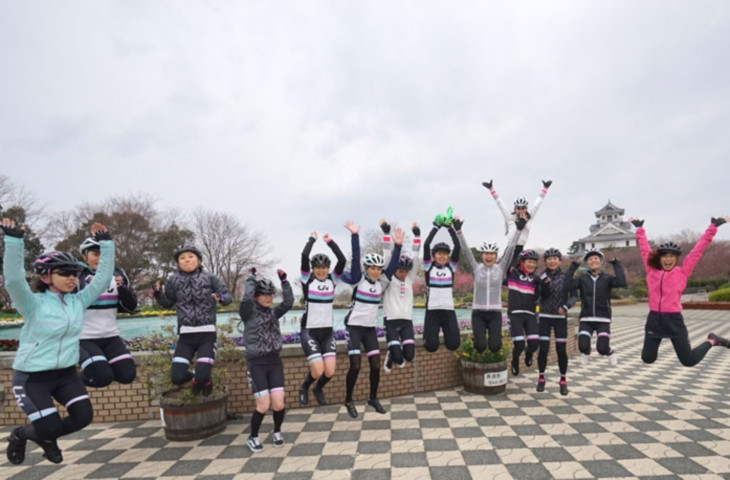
144,326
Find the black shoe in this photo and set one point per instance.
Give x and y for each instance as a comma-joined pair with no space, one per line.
319,395
375,403
515,367
528,358
718,341
303,395
51,451
207,389
563,388
16,447
541,385
195,388
351,410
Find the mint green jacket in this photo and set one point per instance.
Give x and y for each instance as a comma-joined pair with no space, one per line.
50,336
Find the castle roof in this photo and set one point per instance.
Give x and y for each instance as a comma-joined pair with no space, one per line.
609,209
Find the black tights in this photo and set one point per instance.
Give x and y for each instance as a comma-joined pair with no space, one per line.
560,325
354,371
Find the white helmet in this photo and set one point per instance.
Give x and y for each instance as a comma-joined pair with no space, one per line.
88,244
374,260
488,247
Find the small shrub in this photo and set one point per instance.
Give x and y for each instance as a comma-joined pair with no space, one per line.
467,352
721,295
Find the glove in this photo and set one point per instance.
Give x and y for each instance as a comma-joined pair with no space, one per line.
613,261
488,185
715,221
574,264
547,183
416,231
520,223
457,224
13,231
102,235
282,275
637,223
385,227
252,270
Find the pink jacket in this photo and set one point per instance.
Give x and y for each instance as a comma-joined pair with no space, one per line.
666,287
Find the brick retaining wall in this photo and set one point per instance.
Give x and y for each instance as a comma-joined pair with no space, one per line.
428,372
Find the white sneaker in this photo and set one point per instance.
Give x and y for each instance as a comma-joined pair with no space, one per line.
613,359
402,365
278,439
387,366
584,359
254,444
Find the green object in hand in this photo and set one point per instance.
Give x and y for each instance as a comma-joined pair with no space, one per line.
448,219
439,220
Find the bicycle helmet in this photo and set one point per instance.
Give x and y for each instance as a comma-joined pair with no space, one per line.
488,247
188,248
592,252
405,263
552,252
441,247
264,286
89,243
670,247
54,260
320,260
521,202
374,260
529,254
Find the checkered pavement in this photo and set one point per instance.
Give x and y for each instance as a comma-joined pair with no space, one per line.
632,421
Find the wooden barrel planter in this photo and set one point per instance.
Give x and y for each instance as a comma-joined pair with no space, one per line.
195,421
485,378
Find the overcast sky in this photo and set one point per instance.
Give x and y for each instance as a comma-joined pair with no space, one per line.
296,116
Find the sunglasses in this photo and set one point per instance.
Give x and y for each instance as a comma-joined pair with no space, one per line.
66,273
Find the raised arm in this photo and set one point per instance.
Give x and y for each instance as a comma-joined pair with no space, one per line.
540,197
13,269
427,247
341,259
398,236
690,262
619,278
245,310
355,273
465,246
644,247
510,249
286,291
306,252
387,240
104,273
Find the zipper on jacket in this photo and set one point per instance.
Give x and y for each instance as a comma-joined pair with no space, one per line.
60,342
594,294
661,290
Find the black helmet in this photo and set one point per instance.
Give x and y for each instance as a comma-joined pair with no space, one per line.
55,260
264,286
320,260
529,255
441,247
188,248
670,247
405,263
592,252
552,252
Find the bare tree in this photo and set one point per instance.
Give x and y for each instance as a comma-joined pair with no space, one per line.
229,247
